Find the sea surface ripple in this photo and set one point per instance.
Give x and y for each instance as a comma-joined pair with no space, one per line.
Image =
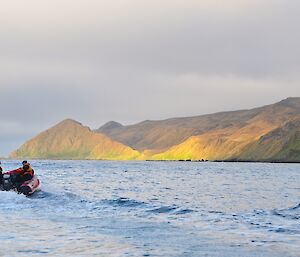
186,209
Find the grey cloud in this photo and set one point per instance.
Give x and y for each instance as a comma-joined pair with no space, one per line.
133,60
260,41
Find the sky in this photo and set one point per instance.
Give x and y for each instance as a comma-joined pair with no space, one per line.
134,60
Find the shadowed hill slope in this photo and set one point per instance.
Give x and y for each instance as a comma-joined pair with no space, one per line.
233,128
281,144
268,133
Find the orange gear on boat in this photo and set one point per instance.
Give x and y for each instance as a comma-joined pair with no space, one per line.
25,170
18,171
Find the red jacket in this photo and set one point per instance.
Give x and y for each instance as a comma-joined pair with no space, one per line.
29,172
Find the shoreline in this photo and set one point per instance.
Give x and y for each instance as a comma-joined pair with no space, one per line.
149,160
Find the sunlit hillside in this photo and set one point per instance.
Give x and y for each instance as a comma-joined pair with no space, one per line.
71,140
269,133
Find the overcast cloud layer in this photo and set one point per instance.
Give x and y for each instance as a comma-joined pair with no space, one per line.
131,60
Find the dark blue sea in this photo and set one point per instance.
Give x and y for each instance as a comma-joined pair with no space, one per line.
182,209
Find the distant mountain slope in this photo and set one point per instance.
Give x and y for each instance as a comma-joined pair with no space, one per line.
218,144
111,125
159,136
70,140
268,133
281,144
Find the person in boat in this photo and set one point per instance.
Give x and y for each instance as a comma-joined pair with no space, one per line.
24,173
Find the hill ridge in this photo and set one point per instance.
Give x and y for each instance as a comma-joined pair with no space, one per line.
219,136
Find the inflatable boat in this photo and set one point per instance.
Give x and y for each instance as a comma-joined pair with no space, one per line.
27,188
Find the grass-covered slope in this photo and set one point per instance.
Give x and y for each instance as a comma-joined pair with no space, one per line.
217,144
220,136
268,133
70,140
281,144
160,136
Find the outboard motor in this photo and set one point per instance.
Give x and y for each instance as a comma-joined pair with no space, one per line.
8,182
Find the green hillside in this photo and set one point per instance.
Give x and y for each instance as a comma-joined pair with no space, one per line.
268,133
281,144
70,140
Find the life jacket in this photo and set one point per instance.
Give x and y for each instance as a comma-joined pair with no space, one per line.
27,170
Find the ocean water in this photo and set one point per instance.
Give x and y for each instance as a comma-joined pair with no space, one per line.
101,208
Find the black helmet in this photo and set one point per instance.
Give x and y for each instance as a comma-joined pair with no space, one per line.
24,162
